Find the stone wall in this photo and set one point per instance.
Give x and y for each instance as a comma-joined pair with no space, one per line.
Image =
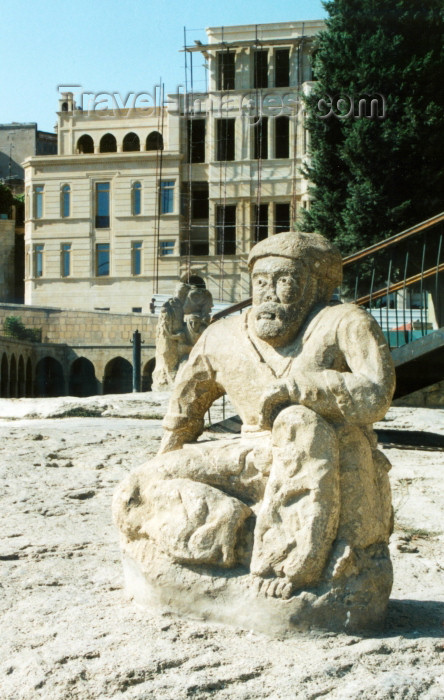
83,328
19,362
100,338
7,260
25,367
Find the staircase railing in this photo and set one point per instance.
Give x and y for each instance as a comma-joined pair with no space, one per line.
399,281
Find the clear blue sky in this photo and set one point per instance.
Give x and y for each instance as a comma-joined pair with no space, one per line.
110,45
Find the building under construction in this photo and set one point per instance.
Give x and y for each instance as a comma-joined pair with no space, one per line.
140,196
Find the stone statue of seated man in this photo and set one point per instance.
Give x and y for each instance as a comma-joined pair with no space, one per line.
286,526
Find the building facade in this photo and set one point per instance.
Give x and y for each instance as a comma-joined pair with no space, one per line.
137,198
17,142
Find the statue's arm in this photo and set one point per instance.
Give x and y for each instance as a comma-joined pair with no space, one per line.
361,395
195,390
364,393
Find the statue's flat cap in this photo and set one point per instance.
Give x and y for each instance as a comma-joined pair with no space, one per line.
322,257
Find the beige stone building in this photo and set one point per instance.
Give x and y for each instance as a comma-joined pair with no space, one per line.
17,142
138,197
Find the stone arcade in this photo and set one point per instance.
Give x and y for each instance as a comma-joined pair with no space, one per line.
285,527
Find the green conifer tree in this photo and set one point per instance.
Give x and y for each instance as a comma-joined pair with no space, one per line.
373,177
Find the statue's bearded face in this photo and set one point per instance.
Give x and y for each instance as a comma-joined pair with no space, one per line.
282,297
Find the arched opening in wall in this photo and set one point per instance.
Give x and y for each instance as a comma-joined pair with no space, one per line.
82,378
118,377
28,386
21,380
131,142
4,381
13,378
85,144
196,281
154,141
64,106
147,374
49,378
108,144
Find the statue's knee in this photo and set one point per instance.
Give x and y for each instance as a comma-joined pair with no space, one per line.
301,424
126,505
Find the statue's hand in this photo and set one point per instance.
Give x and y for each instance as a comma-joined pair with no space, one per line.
273,587
271,402
170,441
176,336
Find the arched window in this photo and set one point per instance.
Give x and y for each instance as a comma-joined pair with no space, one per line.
13,378
66,201
64,106
21,379
82,378
108,144
28,390
49,378
118,377
131,142
196,281
4,381
136,198
85,144
154,141
147,375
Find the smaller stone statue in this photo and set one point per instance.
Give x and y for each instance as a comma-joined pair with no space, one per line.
182,320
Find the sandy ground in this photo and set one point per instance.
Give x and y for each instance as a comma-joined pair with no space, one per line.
68,630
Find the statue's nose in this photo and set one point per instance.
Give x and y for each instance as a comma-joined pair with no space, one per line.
270,294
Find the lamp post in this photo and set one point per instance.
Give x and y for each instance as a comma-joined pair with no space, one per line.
137,343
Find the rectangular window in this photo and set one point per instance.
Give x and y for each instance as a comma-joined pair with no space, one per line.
226,229
167,196
282,137
281,217
38,260
196,246
260,221
38,201
66,259
166,248
102,204
66,201
136,258
260,135
225,70
196,140
260,68
136,309
136,199
199,200
194,234
282,68
102,259
225,147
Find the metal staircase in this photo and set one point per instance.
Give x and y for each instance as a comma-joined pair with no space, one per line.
400,281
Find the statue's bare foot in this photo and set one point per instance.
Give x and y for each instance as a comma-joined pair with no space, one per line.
273,587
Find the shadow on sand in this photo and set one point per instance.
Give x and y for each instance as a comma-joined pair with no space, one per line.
414,618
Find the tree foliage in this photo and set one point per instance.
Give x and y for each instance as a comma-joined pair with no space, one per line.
14,327
373,177
6,199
